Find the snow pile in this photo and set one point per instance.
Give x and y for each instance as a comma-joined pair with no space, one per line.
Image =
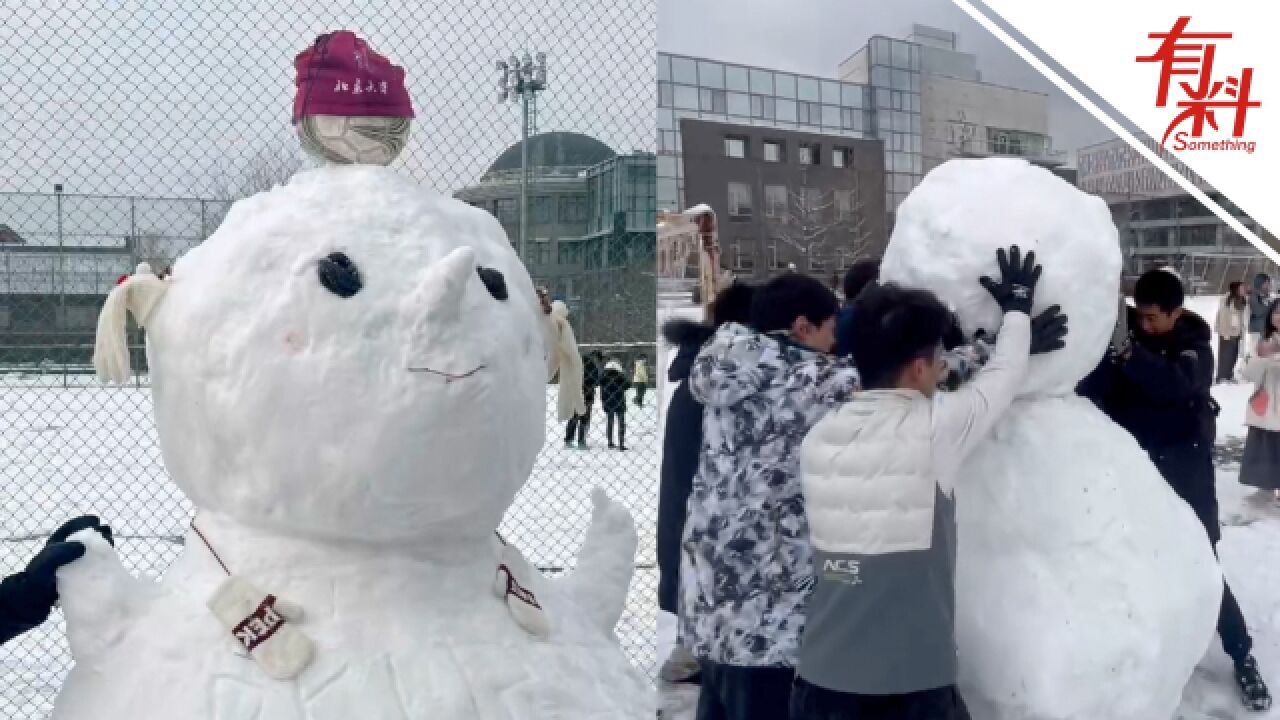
348,380
1085,588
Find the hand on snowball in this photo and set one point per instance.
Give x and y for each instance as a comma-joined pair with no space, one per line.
1048,331
1018,277
40,574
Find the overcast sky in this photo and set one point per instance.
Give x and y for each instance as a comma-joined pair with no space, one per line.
815,36
151,97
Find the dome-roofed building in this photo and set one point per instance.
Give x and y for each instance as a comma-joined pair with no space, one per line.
590,231
552,153
558,213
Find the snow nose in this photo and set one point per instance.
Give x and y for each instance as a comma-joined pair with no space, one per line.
439,338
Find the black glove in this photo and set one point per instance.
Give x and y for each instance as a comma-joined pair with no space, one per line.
1016,290
1048,330
40,574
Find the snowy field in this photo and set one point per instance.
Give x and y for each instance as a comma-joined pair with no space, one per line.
1250,542
83,447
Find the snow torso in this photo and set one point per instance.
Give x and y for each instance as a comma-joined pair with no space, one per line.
397,637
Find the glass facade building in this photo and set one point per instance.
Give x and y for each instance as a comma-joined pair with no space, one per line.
884,105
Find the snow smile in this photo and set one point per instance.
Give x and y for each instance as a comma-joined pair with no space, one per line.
449,377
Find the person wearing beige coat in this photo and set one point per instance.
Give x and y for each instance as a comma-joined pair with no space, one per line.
1260,466
564,363
1230,326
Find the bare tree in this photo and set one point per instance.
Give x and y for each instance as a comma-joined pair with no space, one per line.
825,224
273,164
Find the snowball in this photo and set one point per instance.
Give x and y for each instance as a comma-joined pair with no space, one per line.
414,407
949,228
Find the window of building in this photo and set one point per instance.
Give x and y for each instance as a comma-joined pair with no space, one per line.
809,113
684,70
841,158
776,259
742,259
818,263
711,74
772,151
846,203
736,78
735,147
739,104
762,107
506,210
785,110
6,317
761,82
739,201
713,101
573,208
809,154
686,97
543,210
666,95
784,85
775,201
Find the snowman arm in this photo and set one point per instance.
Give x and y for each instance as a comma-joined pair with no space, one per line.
962,419
1171,382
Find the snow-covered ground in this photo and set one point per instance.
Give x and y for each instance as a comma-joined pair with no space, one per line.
83,447
1250,541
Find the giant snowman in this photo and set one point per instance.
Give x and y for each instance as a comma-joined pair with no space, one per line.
348,380
1086,589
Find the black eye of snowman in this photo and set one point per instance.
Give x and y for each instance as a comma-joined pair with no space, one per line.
339,275
493,282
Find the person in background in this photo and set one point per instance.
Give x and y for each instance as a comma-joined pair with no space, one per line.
856,279
1230,327
640,380
876,562
1156,385
613,400
27,597
681,443
564,364
1260,466
579,424
1259,305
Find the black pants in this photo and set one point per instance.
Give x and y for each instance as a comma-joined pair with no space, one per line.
640,389
730,692
1228,354
578,424
810,702
621,416
1189,471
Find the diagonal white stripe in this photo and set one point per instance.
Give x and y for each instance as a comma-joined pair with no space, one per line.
1118,129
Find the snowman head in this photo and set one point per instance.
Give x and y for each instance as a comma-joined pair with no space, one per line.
351,357
949,228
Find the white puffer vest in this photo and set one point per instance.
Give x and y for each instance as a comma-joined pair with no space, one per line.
876,495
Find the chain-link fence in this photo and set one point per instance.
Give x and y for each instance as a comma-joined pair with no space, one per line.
128,128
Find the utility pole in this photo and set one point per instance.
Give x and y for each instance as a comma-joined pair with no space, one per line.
523,78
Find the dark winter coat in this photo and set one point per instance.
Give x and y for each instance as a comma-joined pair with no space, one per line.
613,390
844,331
590,380
1161,396
22,607
1259,307
681,443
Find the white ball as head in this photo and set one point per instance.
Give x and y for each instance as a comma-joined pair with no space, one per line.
949,228
333,363
354,140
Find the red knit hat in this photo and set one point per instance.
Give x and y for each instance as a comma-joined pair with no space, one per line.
341,75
